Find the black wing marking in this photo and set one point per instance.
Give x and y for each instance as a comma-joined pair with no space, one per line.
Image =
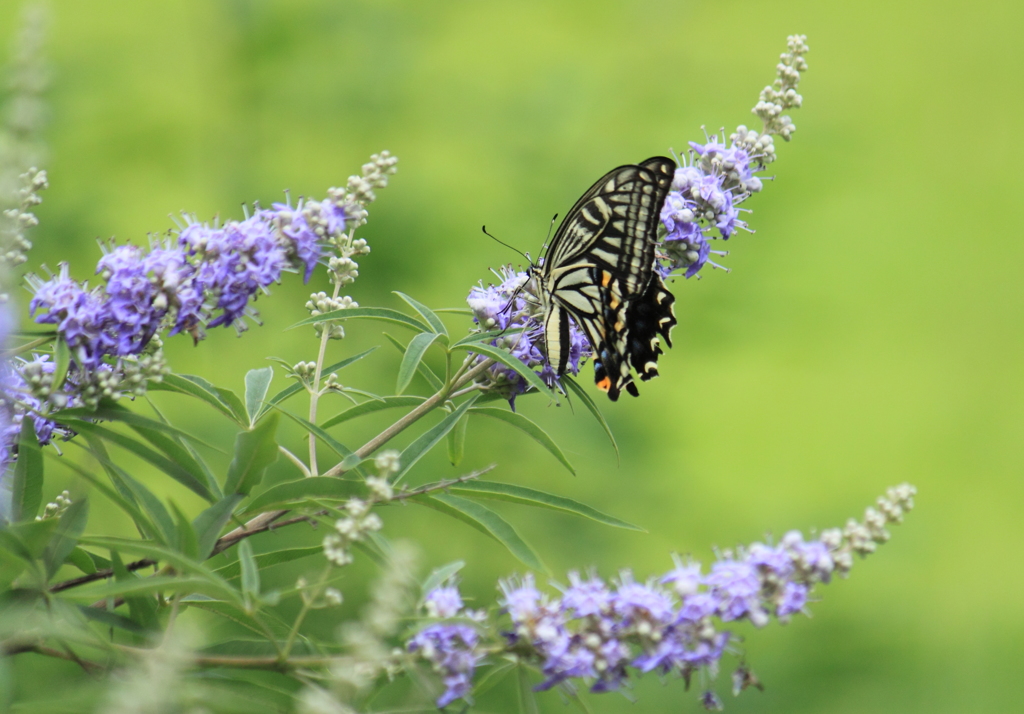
599,269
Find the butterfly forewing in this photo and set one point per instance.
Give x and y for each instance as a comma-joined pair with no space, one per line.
599,269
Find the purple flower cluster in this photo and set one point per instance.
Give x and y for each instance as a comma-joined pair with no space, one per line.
208,276
704,199
602,633
513,306
452,648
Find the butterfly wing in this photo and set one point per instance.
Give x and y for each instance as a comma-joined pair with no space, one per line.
600,270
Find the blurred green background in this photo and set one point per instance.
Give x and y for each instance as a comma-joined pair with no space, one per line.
868,334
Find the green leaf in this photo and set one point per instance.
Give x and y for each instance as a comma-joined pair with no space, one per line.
218,587
426,313
336,446
61,362
81,560
457,441
250,571
530,427
541,499
382,314
169,467
255,450
486,336
573,385
293,389
506,358
210,522
166,533
418,345
484,520
70,526
199,388
128,506
36,535
134,589
111,619
257,384
371,406
27,486
187,540
426,372
328,488
438,576
428,439
181,453
454,310
266,560
128,585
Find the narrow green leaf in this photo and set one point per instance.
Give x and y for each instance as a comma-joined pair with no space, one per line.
327,488
457,441
293,389
27,346
141,606
255,450
70,526
426,313
187,539
418,345
61,362
438,576
506,358
371,406
454,310
151,504
81,560
210,523
181,453
426,372
27,486
382,314
530,427
257,384
485,336
589,404
125,504
169,467
138,591
527,697
338,448
250,571
196,387
541,499
234,404
111,619
428,439
217,585
266,560
36,535
484,520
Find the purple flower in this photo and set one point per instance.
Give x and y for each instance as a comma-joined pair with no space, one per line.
451,649
774,561
495,308
737,587
443,602
585,598
685,577
793,598
636,603
813,558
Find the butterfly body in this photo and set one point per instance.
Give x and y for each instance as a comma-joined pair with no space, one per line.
599,271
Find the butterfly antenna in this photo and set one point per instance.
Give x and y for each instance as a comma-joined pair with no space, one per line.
550,228
484,229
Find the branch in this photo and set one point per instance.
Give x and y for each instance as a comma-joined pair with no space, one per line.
98,575
15,648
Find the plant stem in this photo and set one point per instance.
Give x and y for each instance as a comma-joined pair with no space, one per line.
307,604
314,395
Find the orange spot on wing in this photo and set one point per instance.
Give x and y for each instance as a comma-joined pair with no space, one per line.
606,278
605,384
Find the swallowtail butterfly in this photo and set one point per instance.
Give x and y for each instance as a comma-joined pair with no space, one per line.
600,270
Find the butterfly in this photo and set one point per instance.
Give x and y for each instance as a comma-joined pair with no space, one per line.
599,270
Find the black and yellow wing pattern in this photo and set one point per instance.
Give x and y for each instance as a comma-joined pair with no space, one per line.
600,271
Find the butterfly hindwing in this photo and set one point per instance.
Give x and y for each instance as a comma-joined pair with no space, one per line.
600,270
